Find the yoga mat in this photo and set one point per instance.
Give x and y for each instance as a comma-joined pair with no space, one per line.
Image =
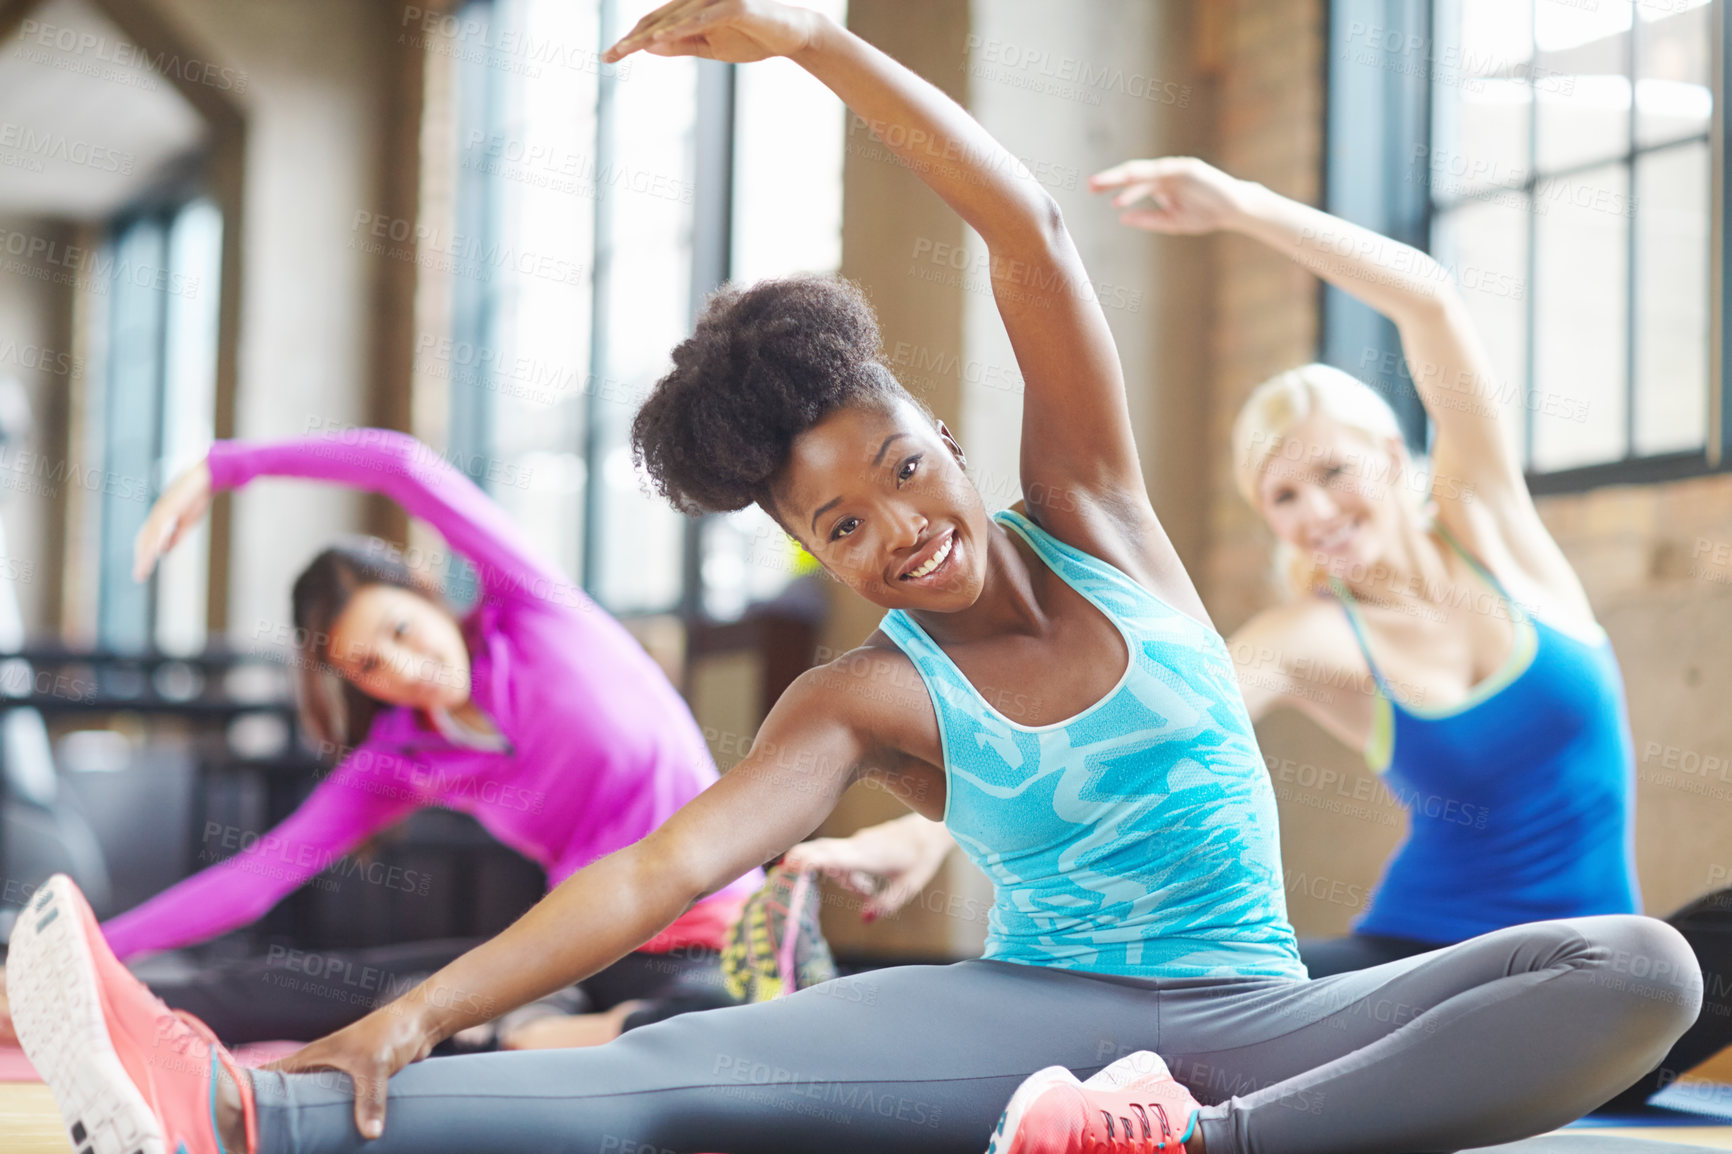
1584,1143
1680,1104
1712,1099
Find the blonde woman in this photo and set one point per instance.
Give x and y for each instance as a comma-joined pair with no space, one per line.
1493,704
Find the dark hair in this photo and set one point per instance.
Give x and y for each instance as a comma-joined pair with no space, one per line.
763,365
333,710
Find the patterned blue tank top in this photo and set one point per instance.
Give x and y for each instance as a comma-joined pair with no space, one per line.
1138,837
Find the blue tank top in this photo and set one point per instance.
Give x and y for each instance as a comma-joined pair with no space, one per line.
1520,798
1138,837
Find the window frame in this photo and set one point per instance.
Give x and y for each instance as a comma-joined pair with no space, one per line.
127,613
1363,184
480,97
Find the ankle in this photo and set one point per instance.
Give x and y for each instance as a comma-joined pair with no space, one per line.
1194,1144
231,1120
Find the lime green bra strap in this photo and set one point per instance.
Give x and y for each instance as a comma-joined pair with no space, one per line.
1381,744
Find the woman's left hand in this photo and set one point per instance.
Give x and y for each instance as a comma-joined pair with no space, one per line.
181,507
1183,195
732,31
369,1051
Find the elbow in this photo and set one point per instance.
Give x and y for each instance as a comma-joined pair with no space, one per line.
1049,222
1441,294
666,878
1037,236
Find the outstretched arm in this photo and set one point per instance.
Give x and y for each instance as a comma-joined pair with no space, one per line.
1477,482
377,461
1076,438
346,808
809,750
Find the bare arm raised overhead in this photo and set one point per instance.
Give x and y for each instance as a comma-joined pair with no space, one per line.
1079,468
1478,485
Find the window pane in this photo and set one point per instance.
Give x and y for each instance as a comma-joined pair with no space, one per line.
1485,246
541,155
747,559
1480,97
648,183
131,416
1672,237
1581,78
1674,93
787,218
189,413
1581,251
787,201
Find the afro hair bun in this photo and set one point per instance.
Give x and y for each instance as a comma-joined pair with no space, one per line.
764,364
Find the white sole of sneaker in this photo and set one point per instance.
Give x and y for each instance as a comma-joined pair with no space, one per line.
1036,1084
57,1011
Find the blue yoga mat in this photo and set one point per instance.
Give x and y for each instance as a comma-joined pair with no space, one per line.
1680,1104
1592,1144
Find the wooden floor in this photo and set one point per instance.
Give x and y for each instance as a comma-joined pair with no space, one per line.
29,1123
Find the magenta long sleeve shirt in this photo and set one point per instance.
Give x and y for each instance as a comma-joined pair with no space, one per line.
602,747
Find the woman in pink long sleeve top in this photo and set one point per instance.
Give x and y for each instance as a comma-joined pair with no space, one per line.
537,713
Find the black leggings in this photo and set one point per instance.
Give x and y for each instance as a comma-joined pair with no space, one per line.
1499,1038
306,994
1705,923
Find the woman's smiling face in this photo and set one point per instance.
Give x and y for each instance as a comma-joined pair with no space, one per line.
1328,491
400,648
878,496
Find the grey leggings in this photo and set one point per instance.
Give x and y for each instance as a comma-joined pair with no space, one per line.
1492,1040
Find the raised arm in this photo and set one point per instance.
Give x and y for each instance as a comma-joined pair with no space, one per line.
810,749
1477,479
376,461
1076,437
351,804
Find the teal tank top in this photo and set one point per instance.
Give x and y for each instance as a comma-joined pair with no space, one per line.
1137,838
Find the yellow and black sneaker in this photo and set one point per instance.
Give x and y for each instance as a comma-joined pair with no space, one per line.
776,946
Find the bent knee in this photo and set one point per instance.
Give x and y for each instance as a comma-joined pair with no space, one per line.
1650,961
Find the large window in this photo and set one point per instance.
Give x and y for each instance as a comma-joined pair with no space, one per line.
157,285
604,203
1562,164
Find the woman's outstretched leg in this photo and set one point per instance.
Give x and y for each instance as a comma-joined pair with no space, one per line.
913,1059
1498,1038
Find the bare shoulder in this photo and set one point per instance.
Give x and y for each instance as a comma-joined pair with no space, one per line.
877,691
877,662
1294,636
1296,618
1123,531
1302,654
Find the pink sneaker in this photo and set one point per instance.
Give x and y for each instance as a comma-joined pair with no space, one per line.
1134,1105
130,1075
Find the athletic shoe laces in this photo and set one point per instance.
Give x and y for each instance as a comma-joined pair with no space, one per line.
1134,1136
